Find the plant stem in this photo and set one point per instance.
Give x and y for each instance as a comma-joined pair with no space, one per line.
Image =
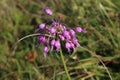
36,34
64,64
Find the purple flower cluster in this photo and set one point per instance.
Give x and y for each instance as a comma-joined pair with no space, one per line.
56,33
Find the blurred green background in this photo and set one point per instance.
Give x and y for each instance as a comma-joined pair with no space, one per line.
97,59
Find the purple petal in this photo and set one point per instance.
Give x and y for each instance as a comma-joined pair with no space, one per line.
53,42
52,30
72,32
41,26
68,37
63,28
62,38
67,45
79,29
48,11
57,45
65,33
72,46
75,41
45,51
41,39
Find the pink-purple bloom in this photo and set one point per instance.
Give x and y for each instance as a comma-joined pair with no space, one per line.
79,29
53,42
68,46
41,26
66,35
48,11
45,51
56,33
41,39
75,41
52,30
72,32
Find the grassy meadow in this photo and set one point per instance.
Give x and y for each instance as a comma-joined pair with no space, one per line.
98,58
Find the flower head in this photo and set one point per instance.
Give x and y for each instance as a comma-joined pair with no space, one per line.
56,33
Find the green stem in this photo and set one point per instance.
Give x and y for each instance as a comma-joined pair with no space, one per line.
64,64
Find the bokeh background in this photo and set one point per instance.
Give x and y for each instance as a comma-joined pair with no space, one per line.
97,59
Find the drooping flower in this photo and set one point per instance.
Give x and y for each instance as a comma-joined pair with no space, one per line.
66,34
53,42
72,46
45,51
48,11
41,39
75,41
52,30
67,45
57,45
72,32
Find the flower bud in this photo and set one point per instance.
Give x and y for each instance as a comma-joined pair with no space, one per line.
79,29
41,39
53,42
67,45
41,26
57,45
52,30
72,32
48,11
45,51
75,41
66,35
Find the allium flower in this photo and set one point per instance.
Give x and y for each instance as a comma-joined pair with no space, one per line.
56,33
48,11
